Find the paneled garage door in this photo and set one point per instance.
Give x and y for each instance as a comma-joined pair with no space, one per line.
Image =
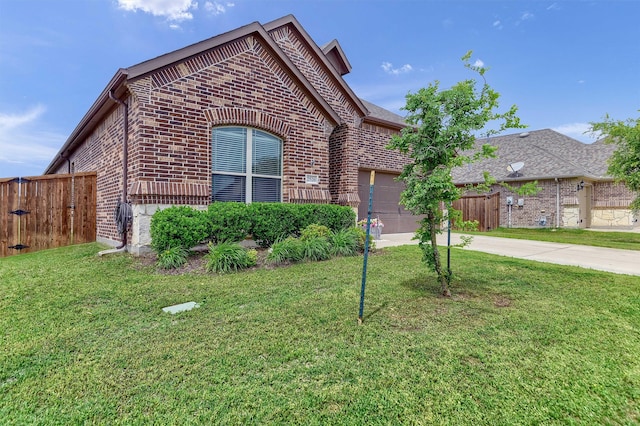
386,202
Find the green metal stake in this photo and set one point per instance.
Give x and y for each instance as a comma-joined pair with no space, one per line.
448,251
366,247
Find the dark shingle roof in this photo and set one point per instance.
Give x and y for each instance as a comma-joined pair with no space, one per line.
546,154
382,114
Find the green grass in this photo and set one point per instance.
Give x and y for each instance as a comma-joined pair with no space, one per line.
610,239
84,341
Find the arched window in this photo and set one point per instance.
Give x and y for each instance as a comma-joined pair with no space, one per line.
246,165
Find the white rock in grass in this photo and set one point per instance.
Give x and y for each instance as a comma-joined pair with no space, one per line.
181,307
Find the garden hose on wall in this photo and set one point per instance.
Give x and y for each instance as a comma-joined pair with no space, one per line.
123,216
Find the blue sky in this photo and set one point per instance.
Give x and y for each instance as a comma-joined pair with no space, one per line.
564,63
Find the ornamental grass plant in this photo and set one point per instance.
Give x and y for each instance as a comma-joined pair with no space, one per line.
344,242
172,258
228,257
286,251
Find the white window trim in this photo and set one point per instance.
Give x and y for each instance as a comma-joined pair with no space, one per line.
249,175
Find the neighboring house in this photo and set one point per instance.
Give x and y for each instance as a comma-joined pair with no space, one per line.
576,190
260,113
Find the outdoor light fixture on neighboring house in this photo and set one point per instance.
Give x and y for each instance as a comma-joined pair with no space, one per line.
580,186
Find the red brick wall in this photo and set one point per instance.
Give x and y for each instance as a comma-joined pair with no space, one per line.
372,151
102,151
535,207
611,194
173,111
178,104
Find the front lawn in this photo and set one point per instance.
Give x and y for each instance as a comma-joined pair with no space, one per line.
84,340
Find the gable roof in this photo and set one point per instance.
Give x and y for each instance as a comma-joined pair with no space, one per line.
328,65
546,154
117,86
337,58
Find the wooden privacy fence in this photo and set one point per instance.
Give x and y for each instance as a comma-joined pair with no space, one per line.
44,212
483,208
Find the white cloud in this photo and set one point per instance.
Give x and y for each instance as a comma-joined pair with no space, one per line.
389,69
173,10
24,148
579,131
526,16
478,63
217,8
554,6
12,121
497,24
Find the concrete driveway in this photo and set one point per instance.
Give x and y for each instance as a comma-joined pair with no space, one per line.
602,259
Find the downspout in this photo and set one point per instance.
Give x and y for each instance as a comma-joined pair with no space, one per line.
125,171
65,157
557,202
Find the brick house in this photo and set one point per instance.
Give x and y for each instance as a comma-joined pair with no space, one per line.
260,113
576,190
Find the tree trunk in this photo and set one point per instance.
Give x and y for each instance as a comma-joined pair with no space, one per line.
444,287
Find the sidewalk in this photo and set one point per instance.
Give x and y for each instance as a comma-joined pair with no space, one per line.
602,259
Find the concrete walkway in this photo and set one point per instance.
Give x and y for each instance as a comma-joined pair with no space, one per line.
602,259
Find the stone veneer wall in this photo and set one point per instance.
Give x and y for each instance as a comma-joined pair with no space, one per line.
612,218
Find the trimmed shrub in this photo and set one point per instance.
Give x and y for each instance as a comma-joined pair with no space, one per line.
229,221
344,242
287,250
178,226
273,222
229,257
332,216
314,231
267,223
172,258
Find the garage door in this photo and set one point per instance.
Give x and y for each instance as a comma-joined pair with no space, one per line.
386,202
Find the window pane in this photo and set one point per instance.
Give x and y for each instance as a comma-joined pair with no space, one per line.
229,149
266,189
228,188
267,154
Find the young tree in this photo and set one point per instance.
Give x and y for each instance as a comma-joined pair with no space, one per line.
442,125
624,164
